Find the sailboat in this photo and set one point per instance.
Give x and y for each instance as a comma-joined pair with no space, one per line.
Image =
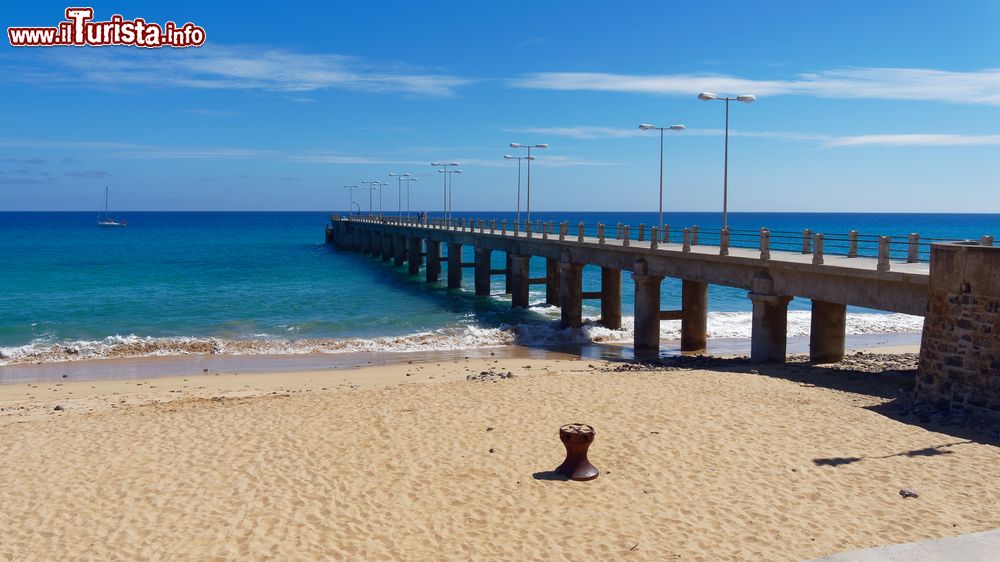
106,220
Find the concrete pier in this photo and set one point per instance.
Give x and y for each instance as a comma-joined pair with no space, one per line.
508,279
611,298
433,269
385,243
454,265
519,280
694,319
552,281
770,322
570,276
827,332
647,310
414,254
482,272
398,250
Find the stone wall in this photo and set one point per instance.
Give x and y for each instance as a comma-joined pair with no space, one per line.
960,347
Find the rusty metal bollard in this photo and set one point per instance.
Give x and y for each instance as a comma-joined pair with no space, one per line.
577,438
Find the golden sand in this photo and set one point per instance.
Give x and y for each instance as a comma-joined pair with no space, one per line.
373,464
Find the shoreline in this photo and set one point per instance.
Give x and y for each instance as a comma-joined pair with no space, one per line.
155,366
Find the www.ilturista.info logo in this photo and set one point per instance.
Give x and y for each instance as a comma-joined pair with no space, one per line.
78,30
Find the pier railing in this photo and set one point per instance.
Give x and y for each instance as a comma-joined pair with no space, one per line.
912,248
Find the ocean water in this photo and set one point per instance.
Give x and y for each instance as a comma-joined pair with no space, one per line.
174,283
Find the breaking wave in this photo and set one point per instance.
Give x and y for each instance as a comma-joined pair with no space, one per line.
720,325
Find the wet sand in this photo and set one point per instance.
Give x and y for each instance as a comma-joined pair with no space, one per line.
412,461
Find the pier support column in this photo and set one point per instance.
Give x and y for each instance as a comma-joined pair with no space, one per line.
770,322
519,281
454,265
611,298
385,245
414,257
482,272
694,322
826,333
570,294
646,340
552,285
433,269
398,250
508,276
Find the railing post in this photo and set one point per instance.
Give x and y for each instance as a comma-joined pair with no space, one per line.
818,249
986,241
625,236
600,233
765,244
517,226
527,228
653,240
883,253
642,232
493,226
618,234
724,242
503,227
538,226
687,240
913,248
563,230
666,234
694,235
852,244
545,231
579,231
806,241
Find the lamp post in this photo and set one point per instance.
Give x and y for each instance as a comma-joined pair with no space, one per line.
408,180
350,202
743,98
445,166
529,158
518,158
647,127
380,185
449,180
399,192
369,188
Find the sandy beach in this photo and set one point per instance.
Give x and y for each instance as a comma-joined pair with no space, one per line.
414,462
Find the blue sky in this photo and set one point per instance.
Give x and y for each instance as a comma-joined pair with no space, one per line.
862,106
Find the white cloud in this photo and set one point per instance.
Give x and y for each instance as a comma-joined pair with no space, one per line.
977,87
232,67
915,140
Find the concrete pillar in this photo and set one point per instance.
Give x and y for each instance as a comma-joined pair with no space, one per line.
386,246
454,265
552,286
414,255
399,250
611,298
826,334
646,340
482,271
519,281
694,322
571,292
433,261
508,278
770,322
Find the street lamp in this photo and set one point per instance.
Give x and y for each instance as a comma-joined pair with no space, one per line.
408,180
518,158
743,98
399,192
380,185
351,203
529,158
449,181
370,188
445,166
647,127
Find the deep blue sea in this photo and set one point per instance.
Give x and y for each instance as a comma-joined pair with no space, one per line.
265,283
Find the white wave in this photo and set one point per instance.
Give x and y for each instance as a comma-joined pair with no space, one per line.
720,325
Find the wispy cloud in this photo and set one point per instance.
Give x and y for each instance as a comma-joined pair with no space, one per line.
916,140
978,87
213,112
234,68
87,174
29,160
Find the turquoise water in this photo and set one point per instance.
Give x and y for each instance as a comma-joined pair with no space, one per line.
268,277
